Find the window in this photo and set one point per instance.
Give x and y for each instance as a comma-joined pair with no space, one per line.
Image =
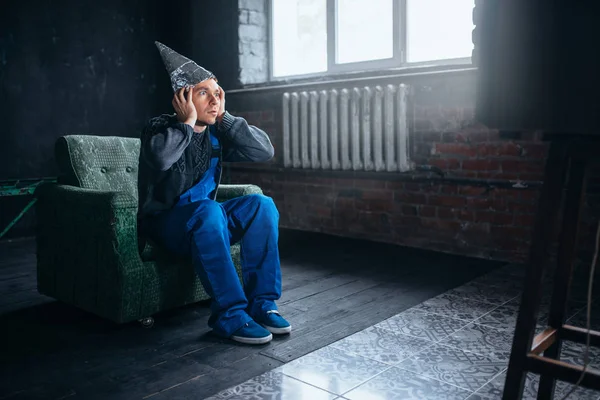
314,37
299,36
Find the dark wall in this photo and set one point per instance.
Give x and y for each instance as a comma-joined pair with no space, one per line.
538,66
215,39
78,67
92,68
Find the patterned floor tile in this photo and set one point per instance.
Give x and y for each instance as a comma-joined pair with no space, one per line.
574,353
382,345
580,393
580,319
460,368
495,388
397,383
482,340
332,369
423,325
505,318
273,385
573,307
455,307
484,294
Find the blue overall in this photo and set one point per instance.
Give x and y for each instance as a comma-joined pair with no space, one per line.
204,229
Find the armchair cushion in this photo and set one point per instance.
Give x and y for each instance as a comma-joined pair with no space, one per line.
99,162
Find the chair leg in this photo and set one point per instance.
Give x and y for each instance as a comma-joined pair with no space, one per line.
543,235
564,269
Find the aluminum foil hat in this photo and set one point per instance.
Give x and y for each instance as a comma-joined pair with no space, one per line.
181,69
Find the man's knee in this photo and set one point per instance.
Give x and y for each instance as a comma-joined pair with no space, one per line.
208,215
265,204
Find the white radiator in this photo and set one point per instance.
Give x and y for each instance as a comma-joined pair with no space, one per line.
347,129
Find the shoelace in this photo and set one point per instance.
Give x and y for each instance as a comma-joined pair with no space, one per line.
268,312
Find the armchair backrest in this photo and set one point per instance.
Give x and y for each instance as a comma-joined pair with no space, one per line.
98,162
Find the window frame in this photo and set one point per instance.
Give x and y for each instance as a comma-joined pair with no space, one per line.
397,61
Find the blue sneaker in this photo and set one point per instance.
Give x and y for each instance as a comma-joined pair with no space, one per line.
274,322
252,333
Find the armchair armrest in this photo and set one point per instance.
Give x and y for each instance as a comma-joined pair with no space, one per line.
227,192
87,248
97,212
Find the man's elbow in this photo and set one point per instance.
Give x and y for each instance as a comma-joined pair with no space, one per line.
270,153
266,155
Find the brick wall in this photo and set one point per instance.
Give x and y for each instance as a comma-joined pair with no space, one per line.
475,192
253,41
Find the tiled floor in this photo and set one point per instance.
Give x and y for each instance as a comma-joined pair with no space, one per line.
453,346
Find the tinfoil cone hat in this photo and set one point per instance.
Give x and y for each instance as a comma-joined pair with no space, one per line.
182,70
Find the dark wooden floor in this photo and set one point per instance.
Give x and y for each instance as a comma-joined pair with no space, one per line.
332,287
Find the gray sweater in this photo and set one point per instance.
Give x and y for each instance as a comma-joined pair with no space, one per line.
173,157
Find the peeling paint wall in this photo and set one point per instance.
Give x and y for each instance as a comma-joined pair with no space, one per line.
78,67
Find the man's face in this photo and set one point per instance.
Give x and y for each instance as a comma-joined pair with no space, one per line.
207,101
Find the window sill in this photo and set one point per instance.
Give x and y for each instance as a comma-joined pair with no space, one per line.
358,76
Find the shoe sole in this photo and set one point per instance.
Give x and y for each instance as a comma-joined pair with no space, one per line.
246,340
278,331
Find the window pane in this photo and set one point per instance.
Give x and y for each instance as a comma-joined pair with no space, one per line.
299,37
439,29
365,30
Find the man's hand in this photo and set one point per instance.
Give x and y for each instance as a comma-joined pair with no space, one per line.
222,102
184,107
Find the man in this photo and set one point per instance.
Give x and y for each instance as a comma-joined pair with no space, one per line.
179,174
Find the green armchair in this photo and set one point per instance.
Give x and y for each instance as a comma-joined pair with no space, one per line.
88,254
